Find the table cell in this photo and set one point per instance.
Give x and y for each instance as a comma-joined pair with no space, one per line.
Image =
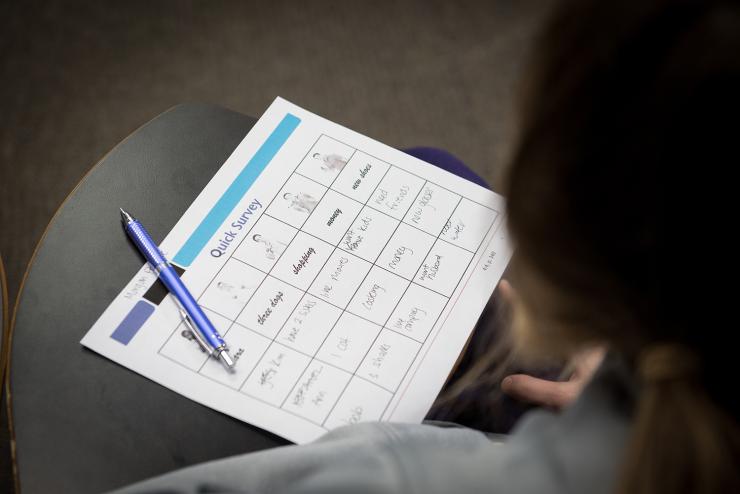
388,359
296,200
361,401
275,374
468,225
308,325
348,342
326,159
316,391
331,218
182,347
246,348
360,177
378,295
269,307
302,260
265,243
396,192
417,312
340,278
405,251
444,266
431,209
231,288
368,234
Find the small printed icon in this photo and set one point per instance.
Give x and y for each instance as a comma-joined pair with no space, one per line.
331,163
272,249
301,201
234,291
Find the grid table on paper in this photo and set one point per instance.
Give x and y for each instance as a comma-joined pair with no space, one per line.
327,301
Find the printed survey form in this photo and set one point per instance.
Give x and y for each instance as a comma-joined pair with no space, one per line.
344,275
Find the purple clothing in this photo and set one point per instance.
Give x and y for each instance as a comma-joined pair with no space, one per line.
446,161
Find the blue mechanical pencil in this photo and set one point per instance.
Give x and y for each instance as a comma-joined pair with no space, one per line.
200,326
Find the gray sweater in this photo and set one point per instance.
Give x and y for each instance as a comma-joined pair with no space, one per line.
576,451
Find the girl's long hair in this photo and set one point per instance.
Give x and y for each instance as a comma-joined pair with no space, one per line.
629,137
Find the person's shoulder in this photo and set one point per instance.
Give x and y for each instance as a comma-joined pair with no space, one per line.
408,435
411,458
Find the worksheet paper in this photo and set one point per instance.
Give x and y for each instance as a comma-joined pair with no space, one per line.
344,275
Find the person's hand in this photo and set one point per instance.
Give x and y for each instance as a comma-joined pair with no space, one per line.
555,394
552,394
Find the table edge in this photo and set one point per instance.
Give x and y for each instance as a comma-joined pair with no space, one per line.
6,351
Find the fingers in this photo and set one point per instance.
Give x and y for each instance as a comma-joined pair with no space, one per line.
556,394
507,291
551,394
586,362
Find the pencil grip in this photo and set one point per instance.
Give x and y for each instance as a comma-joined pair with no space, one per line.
146,245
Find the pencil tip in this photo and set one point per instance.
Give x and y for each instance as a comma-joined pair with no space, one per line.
125,217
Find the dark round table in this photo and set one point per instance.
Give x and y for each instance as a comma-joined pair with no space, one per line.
80,422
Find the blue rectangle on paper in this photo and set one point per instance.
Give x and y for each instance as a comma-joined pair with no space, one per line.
133,321
226,204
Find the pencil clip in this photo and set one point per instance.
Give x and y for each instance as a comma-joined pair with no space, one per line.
196,335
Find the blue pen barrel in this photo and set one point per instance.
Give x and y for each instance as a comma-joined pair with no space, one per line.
145,244
174,284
